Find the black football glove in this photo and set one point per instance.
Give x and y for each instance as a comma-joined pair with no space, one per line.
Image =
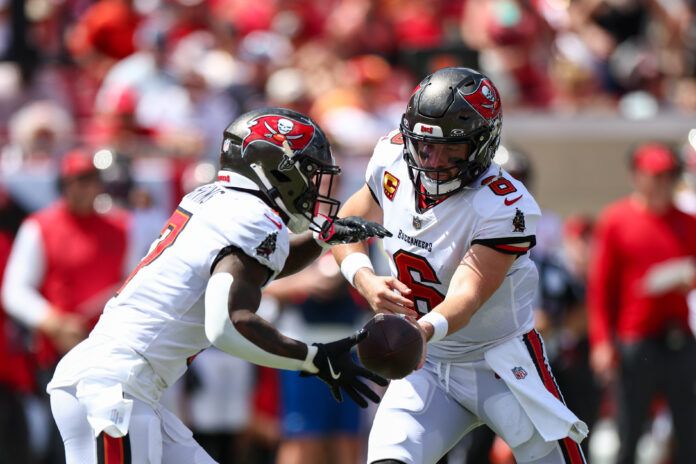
351,229
337,369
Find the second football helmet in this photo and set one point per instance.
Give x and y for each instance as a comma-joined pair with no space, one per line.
451,130
288,159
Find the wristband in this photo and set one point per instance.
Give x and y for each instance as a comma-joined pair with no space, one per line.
439,323
353,263
308,364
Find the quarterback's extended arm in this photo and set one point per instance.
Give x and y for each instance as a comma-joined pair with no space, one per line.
477,277
356,266
232,297
306,247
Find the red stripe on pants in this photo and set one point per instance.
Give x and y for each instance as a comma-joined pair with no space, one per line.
113,450
570,449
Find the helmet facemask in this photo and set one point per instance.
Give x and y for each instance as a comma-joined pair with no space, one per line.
317,205
467,158
313,205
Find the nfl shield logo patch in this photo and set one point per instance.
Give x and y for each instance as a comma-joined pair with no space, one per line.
519,372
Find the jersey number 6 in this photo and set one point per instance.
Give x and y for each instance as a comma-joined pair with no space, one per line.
407,264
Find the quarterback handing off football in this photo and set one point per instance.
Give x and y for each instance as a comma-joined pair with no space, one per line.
393,346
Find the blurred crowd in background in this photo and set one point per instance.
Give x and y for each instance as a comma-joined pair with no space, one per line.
145,88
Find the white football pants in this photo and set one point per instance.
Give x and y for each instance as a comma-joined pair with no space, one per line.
424,415
154,436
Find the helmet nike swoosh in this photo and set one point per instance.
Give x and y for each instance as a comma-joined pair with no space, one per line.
334,375
513,201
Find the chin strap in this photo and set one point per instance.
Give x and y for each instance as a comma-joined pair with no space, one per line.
435,188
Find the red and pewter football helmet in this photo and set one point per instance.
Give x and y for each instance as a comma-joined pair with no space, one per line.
287,158
455,107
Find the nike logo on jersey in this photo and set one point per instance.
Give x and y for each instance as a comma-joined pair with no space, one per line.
279,225
513,201
334,375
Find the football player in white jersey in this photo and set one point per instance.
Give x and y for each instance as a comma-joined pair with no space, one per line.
461,229
227,239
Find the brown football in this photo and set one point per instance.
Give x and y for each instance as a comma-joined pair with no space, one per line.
393,346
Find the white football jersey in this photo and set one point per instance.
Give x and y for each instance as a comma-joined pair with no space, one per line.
153,314
428,244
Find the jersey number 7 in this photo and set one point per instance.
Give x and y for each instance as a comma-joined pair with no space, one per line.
170,232
406,265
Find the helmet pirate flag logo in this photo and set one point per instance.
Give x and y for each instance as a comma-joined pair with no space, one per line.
485,99
288,134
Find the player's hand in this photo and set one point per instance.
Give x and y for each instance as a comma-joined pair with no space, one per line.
385,294
603,360
337,369
351,229
64,329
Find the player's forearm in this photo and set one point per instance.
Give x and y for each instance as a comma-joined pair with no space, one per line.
479,275
262,334
246,335
360,204
457,309
303,250
460,307
341,251
354,261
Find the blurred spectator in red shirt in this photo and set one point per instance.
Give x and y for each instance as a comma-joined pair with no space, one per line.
65,263
106,29
299,20
417,23
360,26
15,373
101,36
642,268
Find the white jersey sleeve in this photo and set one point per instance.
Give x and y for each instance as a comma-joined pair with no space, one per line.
379,181
508,215
258,232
